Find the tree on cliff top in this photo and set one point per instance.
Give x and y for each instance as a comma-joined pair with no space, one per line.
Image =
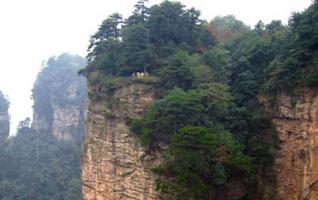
144,40
189,56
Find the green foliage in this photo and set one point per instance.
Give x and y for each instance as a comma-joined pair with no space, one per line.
211,75
59,72
184,70
177,73
34,165
144,40
267,58
304,28
296,64
109,29
199,161
140,13
177,24
137,53
219,60
227,28
204,106
58,84
37,166
105,85
107,57
202,74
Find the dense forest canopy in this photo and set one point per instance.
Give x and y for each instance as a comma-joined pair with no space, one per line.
34,164
37,166
211,74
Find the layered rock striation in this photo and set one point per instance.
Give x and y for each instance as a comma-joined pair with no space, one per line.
115,165
295,117
60,99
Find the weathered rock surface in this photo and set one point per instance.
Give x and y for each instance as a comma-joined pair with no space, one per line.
60,99
4,119
295,117
115,166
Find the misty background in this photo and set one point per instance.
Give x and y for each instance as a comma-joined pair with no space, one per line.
34,30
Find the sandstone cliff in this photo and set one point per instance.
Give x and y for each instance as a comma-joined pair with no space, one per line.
60,98
115,166
4,118
295,117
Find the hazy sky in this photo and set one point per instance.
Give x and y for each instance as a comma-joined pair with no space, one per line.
33,30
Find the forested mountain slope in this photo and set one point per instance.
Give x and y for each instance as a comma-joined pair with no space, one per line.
60,98
205,132
43,161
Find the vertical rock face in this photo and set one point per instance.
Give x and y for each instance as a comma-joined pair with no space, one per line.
115,166
296,164
60,98
4,118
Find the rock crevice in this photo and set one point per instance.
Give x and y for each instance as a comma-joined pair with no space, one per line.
115,165
295,117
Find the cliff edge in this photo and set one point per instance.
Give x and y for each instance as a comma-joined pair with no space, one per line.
115,166
295,117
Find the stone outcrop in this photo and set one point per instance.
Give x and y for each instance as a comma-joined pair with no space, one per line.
4,119
295,117
115,166
60,99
